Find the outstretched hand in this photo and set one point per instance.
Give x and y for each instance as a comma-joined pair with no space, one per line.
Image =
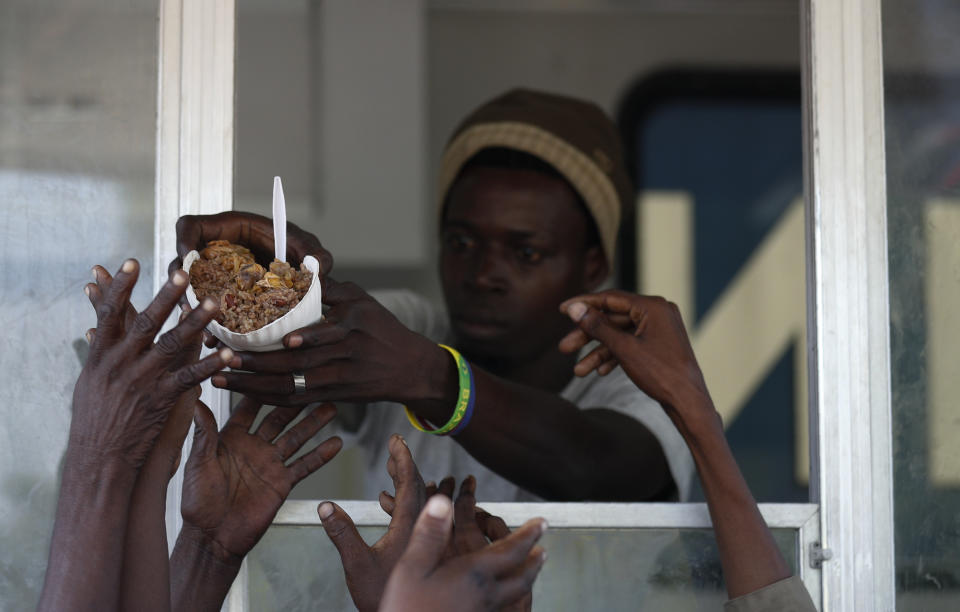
235,481
488,579
645,336
129,383
365,567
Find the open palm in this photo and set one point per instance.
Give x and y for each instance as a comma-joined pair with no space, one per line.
235,481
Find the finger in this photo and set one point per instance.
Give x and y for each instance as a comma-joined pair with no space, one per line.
492,526
258,384
180,343
574,341
430,489
387,503
608,367
103,282
507,554
466,533
518,584
244,414
209,340
276,422
111,309
447,486
339,527
315,459
147,324
338,293
613,301
430,536
407,484
286,361
322,334
204,432
180,380
592,361
595,324
290,442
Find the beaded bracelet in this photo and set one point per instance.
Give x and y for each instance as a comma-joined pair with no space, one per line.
463,411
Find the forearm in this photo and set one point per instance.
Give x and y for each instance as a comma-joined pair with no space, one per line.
146,568
748,552
86,550
549,446
200,573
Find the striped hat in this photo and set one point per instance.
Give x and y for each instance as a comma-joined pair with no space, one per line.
575,137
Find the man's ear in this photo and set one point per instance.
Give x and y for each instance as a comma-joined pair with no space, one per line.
596,268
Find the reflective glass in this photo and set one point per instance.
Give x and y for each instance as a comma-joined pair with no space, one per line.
297,568
77,124
922,107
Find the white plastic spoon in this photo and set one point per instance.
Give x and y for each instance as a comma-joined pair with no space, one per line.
279,221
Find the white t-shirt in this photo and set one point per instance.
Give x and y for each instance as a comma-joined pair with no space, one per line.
440,456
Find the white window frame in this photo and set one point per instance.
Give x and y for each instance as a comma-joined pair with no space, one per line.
848,298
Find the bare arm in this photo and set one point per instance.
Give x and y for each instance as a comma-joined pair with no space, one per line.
233,485
120,403
647,338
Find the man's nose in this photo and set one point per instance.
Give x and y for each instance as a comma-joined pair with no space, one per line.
488,271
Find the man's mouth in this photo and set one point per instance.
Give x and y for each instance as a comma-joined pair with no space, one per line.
479,326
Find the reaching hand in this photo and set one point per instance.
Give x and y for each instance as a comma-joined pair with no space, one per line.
474,529
129,384
488,579
646,336
367,567
235,481
360,352
169,442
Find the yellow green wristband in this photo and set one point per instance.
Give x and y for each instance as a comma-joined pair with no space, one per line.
463,400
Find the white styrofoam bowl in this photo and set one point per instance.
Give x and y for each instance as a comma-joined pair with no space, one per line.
269,337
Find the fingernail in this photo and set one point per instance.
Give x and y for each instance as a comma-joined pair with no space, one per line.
226,355
86,290
325,510
543,527
294,341
430,484
576,311
236,362
218,381
179,278
129,266
208,304
404,441
543,556
438,507
96,276
89,335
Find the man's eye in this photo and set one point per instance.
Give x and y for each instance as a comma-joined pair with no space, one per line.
457,242
528,254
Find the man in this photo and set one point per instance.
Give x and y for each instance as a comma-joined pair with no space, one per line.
531,191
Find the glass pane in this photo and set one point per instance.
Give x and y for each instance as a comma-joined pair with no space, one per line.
77,123
297,568
922,106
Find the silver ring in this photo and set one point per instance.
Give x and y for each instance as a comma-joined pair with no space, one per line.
299,384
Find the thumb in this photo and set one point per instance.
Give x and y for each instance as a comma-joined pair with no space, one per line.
204,431
595,324
354,552
430,535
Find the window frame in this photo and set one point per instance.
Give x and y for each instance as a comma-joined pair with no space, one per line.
848,299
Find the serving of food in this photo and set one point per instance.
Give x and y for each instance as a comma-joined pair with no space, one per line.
258,305
250,296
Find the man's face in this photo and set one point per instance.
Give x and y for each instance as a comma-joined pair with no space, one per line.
513,247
